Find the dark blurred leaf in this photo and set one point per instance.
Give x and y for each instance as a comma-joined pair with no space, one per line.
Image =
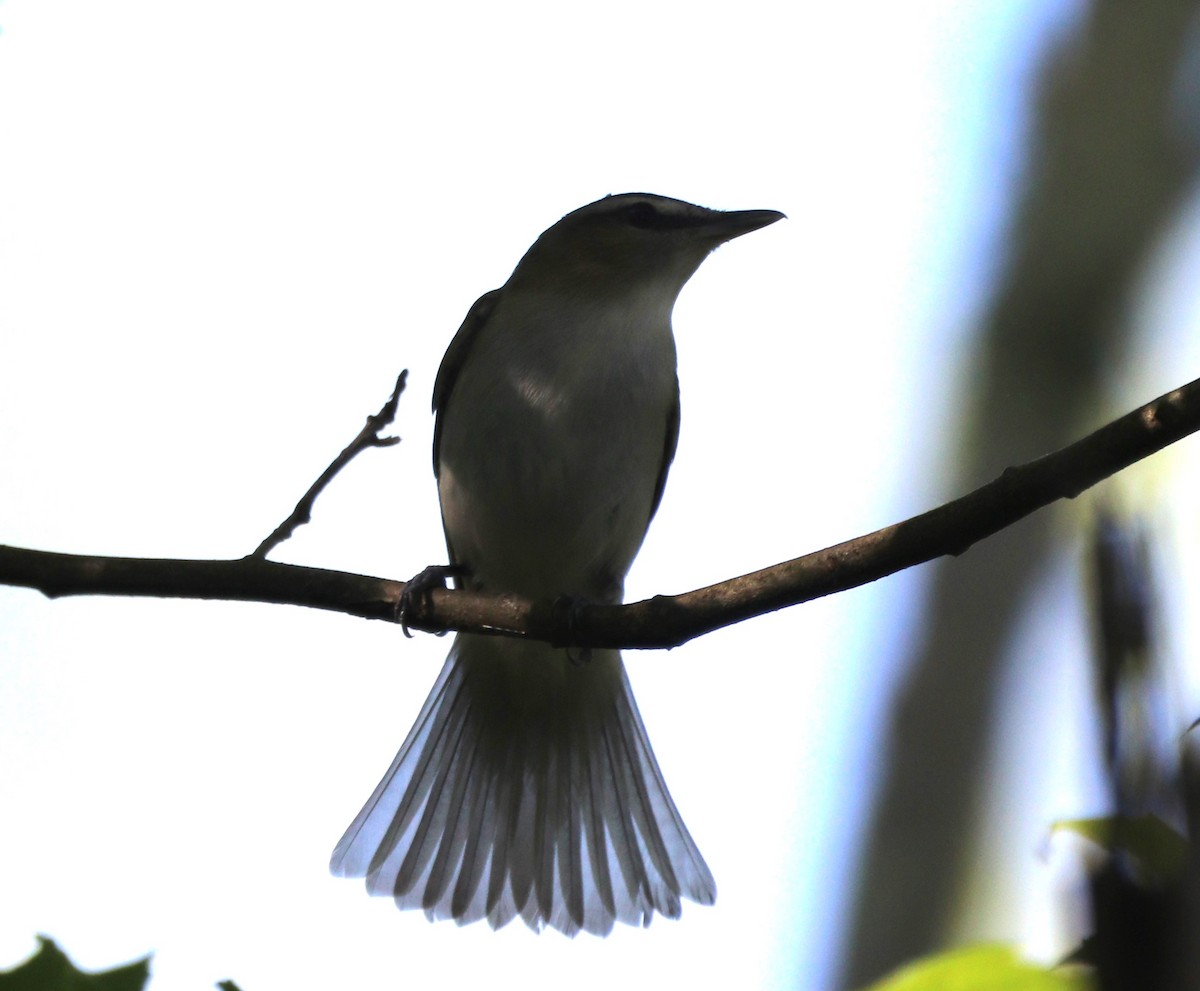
1084,953
1142,935
49,969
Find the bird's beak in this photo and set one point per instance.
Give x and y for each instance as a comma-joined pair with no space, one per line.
727,225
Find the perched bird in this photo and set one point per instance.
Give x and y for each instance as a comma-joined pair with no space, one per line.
527,786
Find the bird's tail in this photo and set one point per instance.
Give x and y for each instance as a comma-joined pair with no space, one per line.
527,787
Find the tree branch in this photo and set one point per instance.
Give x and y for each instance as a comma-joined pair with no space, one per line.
662,621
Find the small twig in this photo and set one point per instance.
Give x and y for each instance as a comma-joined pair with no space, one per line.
367,437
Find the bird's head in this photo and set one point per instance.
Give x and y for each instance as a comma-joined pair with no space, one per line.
633,239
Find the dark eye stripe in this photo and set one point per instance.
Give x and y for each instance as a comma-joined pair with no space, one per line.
646,216
643,215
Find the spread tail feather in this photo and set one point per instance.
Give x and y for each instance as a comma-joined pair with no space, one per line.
527,787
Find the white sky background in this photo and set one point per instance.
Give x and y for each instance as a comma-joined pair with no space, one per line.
225,227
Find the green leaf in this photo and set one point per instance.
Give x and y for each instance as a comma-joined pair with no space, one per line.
988,967
1158,847
49,969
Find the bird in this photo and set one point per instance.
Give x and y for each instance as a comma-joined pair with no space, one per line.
527,786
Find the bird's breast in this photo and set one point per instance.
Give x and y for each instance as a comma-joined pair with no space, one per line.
551,447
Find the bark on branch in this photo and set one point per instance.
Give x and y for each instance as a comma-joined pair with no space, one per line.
662,621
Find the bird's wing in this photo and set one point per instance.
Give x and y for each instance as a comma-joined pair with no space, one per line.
670,442
452,363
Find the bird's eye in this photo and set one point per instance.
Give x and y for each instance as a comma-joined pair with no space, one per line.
643,215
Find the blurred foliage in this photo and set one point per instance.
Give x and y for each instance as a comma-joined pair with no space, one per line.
1108,166
981,968
49,969
1145,895
1143,889
1157,847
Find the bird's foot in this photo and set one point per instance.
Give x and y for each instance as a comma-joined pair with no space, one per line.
418,591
